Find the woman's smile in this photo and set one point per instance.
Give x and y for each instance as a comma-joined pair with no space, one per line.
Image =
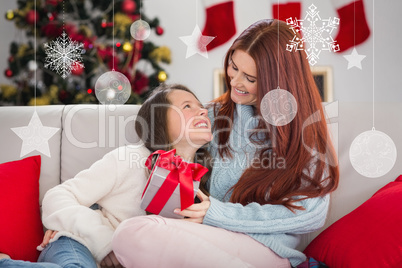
238,91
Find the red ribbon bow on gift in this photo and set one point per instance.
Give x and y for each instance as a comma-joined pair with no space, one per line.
180,172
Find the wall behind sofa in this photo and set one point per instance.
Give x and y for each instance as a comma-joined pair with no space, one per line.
178,18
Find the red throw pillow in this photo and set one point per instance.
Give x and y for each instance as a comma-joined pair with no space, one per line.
369,236
21,228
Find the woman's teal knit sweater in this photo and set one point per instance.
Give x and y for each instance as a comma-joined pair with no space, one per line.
275,226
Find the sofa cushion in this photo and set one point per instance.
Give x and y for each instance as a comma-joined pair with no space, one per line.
21,228
11,144
369,236
91,131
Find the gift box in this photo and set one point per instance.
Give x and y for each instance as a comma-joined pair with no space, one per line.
172,183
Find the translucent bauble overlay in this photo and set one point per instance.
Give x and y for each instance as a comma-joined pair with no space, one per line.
278,107
372,154
112,88
140,30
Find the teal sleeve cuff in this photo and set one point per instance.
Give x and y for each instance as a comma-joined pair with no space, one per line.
214,213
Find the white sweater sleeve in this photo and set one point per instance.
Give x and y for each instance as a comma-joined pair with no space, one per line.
66,207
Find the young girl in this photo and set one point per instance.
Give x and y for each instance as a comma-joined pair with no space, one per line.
269,183
171,118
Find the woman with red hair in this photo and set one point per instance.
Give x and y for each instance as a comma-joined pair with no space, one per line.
269,183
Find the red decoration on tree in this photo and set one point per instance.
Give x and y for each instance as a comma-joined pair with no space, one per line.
63,95
78,69
53,2
30,17
103,24
140,83
159,30
52,30
8,73
50,16
137,55
128,6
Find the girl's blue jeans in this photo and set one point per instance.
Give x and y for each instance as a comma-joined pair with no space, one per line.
65,252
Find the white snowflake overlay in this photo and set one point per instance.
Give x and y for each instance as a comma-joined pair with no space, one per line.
318,37
63,55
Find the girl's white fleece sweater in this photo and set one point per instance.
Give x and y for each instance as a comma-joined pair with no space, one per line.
115,183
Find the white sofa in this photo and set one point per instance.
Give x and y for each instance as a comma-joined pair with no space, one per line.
87,132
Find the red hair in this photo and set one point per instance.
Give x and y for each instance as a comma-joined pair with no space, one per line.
292,142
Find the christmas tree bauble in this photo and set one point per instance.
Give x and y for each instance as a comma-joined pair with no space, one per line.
8,73
103,23
162,76
128,6
127,47
31,16
159,30
50,16
78,69
10,14
32,65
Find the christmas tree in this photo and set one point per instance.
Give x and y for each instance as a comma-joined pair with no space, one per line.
88,23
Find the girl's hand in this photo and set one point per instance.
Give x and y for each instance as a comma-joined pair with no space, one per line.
46,238
196,212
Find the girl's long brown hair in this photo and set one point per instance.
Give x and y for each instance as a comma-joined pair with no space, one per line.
292,142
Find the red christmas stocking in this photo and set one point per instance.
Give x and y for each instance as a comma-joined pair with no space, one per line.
287,9
353,27
219,22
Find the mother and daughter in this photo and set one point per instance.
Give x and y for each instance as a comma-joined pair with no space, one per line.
249,214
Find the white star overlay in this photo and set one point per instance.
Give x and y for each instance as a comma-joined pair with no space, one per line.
354,59
196,43
63,55
316,34
35,136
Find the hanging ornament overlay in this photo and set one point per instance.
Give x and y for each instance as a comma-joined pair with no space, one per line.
372,154
63,55
140,30
278,107
35,136
112,88
196,43
316,34
354,59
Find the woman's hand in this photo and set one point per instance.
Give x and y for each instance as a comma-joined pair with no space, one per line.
110,261
46,238
196,212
